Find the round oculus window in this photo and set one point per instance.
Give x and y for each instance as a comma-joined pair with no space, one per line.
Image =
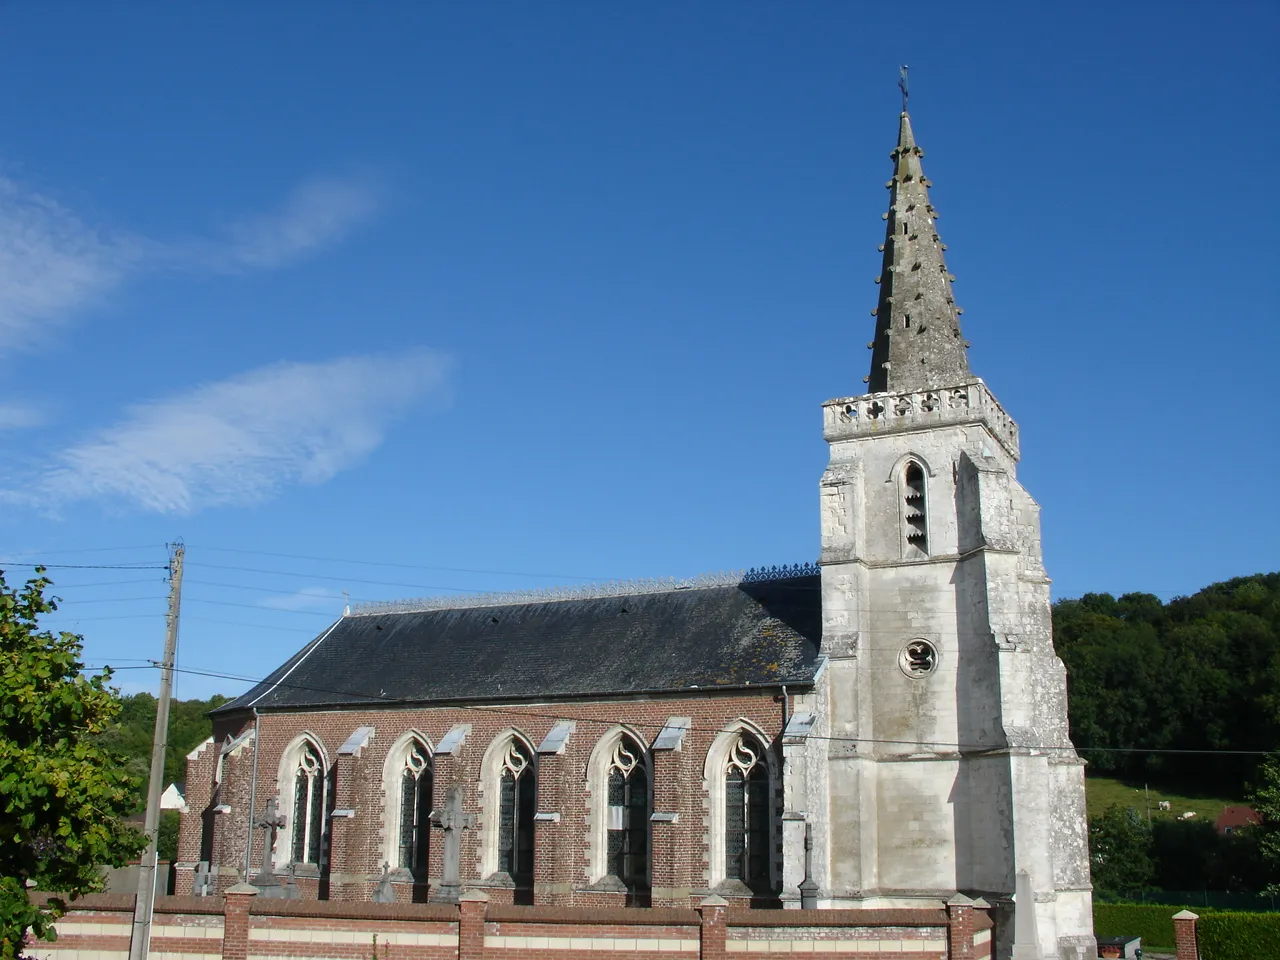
918,659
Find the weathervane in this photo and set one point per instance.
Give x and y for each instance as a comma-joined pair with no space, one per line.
902,85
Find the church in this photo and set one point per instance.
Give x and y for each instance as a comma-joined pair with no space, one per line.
886,727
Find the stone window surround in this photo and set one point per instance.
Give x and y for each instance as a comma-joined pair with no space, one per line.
391,770
282,852
715,769
491,766
598,766
898,475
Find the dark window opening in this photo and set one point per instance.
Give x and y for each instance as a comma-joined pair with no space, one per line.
747,816
628,816
917,534
516,807
309,783
415,810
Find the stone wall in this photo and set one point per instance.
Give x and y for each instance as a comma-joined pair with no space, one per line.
240,926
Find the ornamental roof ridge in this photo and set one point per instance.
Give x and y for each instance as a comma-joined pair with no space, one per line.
586,591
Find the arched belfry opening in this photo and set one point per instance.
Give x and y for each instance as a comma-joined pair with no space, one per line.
914,512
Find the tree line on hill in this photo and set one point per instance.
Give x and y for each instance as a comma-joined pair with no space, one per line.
1201,674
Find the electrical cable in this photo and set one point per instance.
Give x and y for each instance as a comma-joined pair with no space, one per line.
378,700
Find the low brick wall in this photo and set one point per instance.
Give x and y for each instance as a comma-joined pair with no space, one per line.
241,926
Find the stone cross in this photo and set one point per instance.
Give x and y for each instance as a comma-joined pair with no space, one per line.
384,892
271,821
452,821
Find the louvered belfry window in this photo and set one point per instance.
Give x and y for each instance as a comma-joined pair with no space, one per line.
415,808
747,814
308,806
628,815
914,511
516,800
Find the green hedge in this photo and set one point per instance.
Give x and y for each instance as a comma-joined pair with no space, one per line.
1152,922
1238,936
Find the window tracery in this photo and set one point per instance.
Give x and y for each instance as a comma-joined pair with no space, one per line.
415,808
310,786
627,853
747,827
517,791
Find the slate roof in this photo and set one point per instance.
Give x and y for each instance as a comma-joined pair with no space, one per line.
751,633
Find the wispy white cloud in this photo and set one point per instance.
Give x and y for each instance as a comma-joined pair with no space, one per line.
317,214
308,598
53,263
242,439
20,416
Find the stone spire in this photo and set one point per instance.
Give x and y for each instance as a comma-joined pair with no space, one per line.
918,343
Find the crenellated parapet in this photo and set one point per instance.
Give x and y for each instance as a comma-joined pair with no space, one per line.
846,418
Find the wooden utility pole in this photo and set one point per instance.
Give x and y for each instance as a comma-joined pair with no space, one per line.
140,942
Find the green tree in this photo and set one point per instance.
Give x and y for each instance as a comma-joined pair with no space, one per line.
63,794
1264,796
1120,852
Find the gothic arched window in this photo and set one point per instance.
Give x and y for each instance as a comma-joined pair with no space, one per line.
517,789
747,814
914,511
415,808
627,852
309,789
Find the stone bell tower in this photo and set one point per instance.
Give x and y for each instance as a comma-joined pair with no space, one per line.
948,768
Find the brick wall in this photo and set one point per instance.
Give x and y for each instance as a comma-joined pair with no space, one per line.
359,844
240,926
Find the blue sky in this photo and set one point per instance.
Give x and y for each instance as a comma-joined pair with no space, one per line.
497,295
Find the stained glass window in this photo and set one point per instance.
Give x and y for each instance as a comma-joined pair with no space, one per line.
628,815
415,808
747,814
309,789
516,806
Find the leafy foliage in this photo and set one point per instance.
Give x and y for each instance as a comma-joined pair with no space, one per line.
1238,936
1264,797
64,792
1198,673
131,735
1119,852
1154,924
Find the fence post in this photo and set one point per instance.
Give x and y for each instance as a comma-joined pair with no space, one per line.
960,928
714,931
472,907
1184,935
235,921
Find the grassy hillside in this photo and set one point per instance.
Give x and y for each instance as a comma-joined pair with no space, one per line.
1207,803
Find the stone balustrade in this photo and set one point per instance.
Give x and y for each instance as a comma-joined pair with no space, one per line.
876,413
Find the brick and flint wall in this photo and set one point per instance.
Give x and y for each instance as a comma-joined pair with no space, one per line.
219,783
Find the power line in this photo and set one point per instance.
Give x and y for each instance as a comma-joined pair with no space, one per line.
403,566
259,606
516,712
108,583
58,553
252,626
85,566
125,616
276,590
